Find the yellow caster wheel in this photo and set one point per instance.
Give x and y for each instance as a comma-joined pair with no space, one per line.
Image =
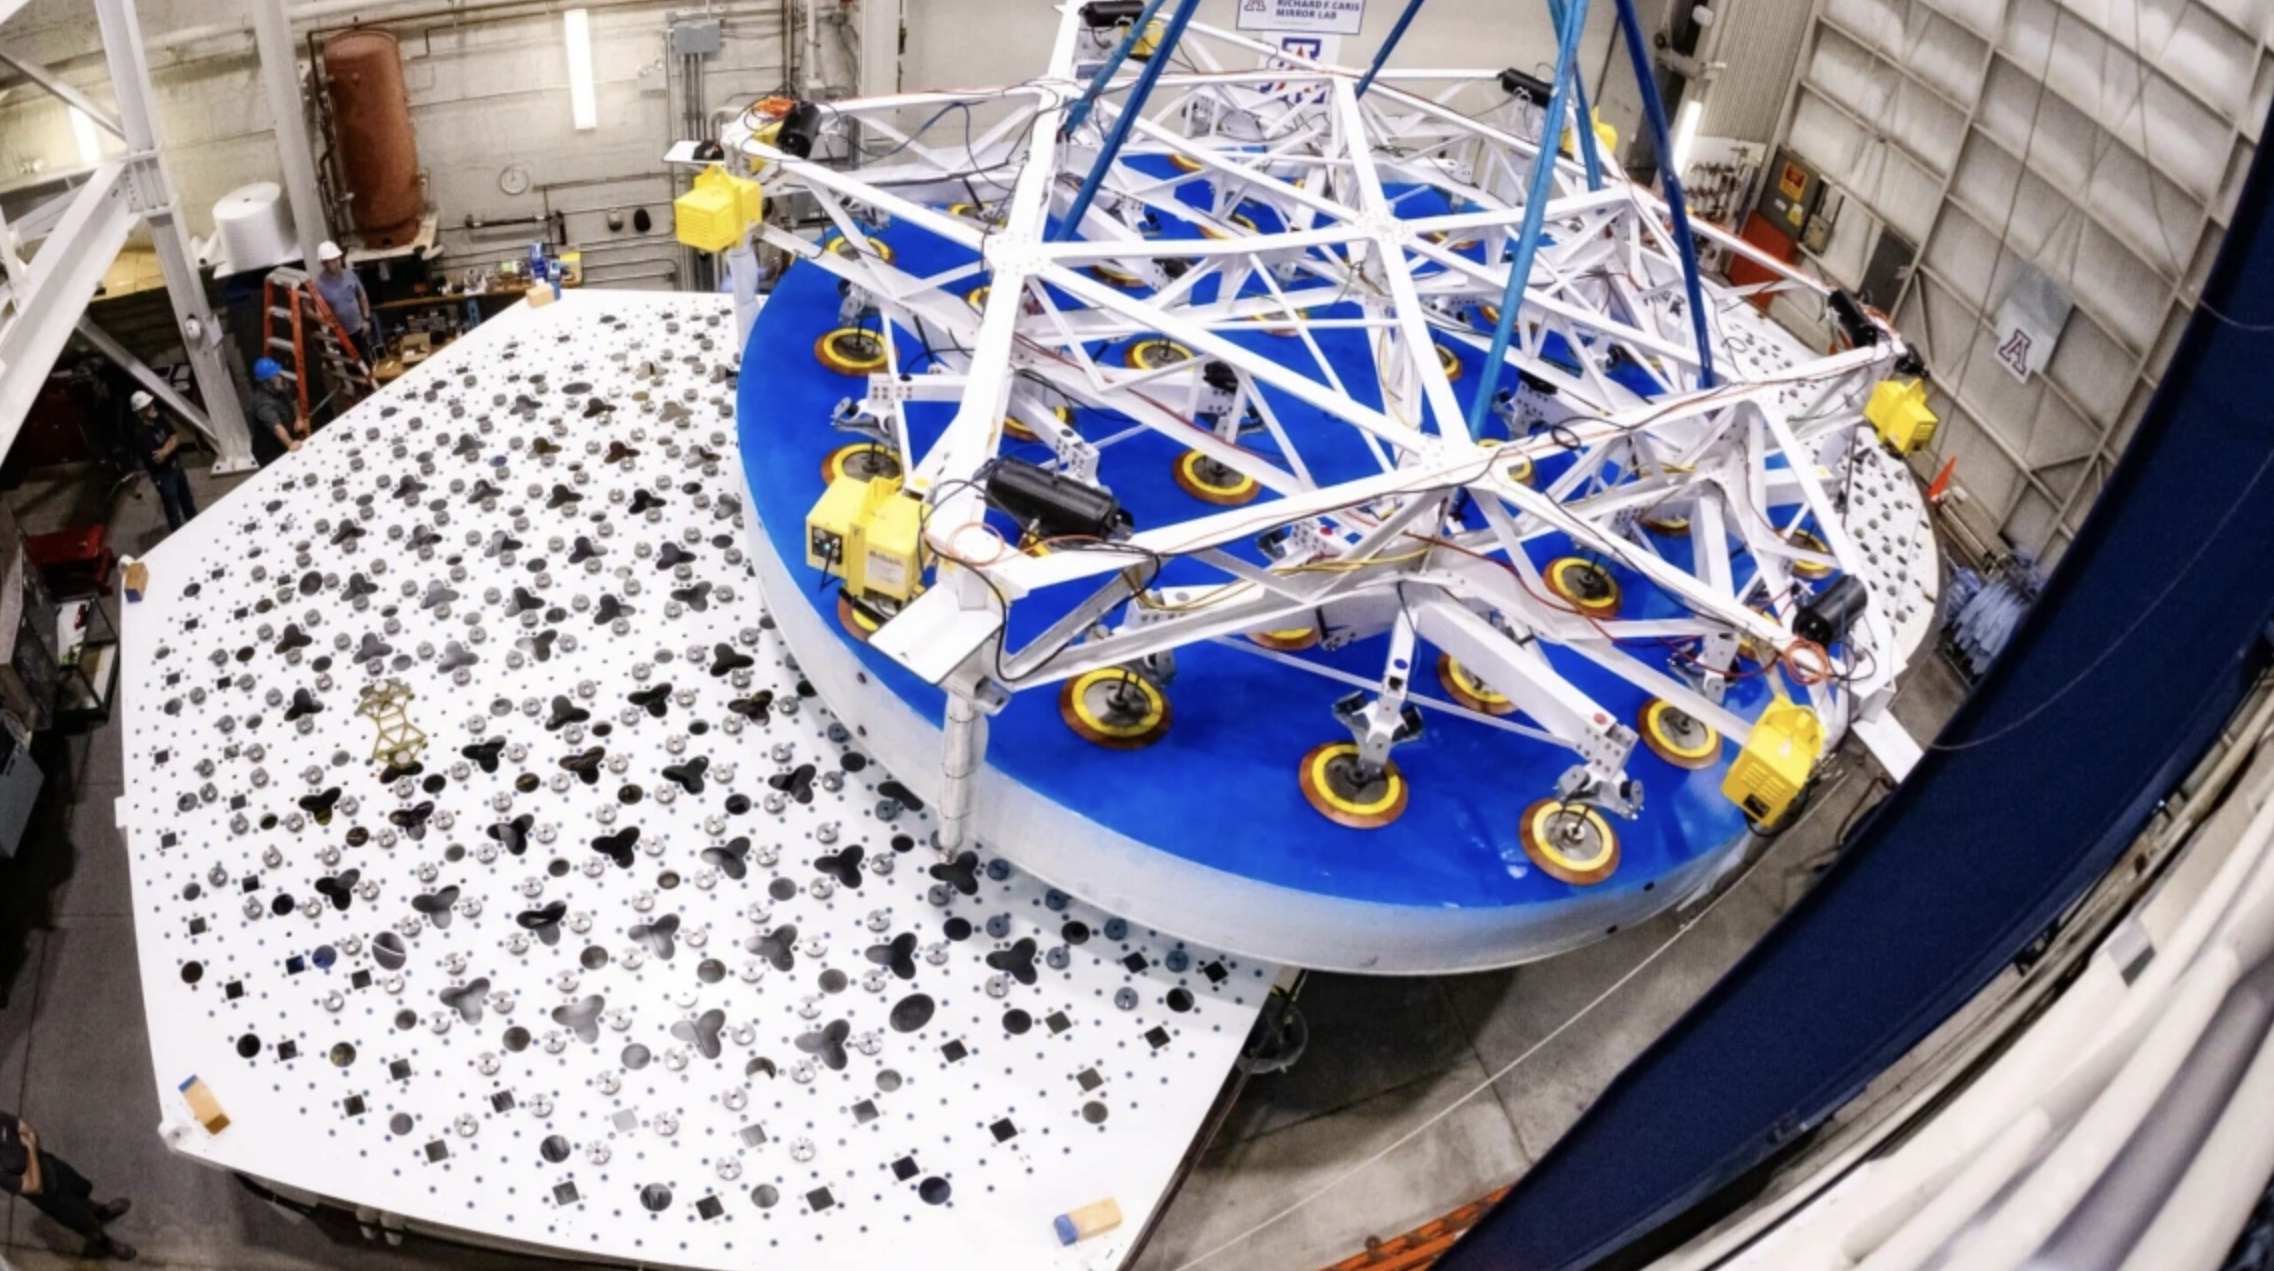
850,351
1520,471
1451,361
882,250
1668,526
1342,794
1115,709
1570,842
1017,431
1212,482
1585,584
1677,738
1114,276
1236,221
1808,542
977,296
1470,691
862,460
1155,353
858,620
1182,164
1288,639
1281,316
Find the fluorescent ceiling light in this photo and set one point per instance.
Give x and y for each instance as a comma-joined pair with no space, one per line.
576,26
1685,132
90,144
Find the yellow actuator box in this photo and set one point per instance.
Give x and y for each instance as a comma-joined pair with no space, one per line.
1898,411
868,534
713,215
1770,771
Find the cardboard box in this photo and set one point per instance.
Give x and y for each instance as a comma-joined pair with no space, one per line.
204,1106
137,580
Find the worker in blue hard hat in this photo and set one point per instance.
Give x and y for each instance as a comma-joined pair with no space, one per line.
277,424
160,447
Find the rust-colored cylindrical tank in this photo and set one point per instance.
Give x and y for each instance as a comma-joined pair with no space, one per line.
373,148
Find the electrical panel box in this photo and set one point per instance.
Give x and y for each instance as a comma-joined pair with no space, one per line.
1790,194
695,39
867,533
1831,200
1773,768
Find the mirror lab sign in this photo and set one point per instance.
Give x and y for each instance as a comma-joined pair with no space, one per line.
1319,17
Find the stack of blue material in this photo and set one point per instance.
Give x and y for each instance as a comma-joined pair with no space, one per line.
1980,613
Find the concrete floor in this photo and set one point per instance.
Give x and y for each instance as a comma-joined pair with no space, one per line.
1386,1057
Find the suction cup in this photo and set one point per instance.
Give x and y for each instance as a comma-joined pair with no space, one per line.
1585,584
1677,738
1115,709
1570,842
1344,795
1470,691
1212,482
850,351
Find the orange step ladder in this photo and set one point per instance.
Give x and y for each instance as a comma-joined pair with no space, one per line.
290,296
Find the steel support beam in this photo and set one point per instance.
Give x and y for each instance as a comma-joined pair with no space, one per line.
880,47
123,358
72,97
1131,111
280,80
154,197
63,276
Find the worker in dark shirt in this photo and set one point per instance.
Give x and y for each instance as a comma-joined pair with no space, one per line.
160,447
276,423
28,1170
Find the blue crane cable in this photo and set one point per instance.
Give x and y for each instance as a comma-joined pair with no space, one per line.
1535,211
1122,123
1080,111
1389,45
1584,122
1654,111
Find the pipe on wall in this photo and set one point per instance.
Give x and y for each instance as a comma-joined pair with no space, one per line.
318,13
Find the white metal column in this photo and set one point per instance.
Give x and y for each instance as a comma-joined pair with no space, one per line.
880,47
154,197
280,78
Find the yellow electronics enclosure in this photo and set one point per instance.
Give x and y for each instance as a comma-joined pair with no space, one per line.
713,215
1898,411
1769,773
869,534
1606,137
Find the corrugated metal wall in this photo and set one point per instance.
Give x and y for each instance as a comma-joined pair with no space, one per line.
1758,48
2099,144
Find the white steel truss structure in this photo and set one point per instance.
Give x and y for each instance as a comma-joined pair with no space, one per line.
76,234
1604,368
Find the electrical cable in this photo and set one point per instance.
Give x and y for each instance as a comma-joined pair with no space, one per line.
2139,620
1489,1082
2155,200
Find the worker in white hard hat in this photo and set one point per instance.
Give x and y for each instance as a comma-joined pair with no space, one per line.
161,450
343,292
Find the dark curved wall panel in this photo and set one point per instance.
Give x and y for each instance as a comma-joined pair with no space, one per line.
2142,645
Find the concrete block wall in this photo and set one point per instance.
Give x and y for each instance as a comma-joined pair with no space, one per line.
488,91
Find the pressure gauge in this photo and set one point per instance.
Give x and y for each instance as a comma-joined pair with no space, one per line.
514,180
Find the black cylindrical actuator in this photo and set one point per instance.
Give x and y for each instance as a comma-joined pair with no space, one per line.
1830,613
1053,504
1105,13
